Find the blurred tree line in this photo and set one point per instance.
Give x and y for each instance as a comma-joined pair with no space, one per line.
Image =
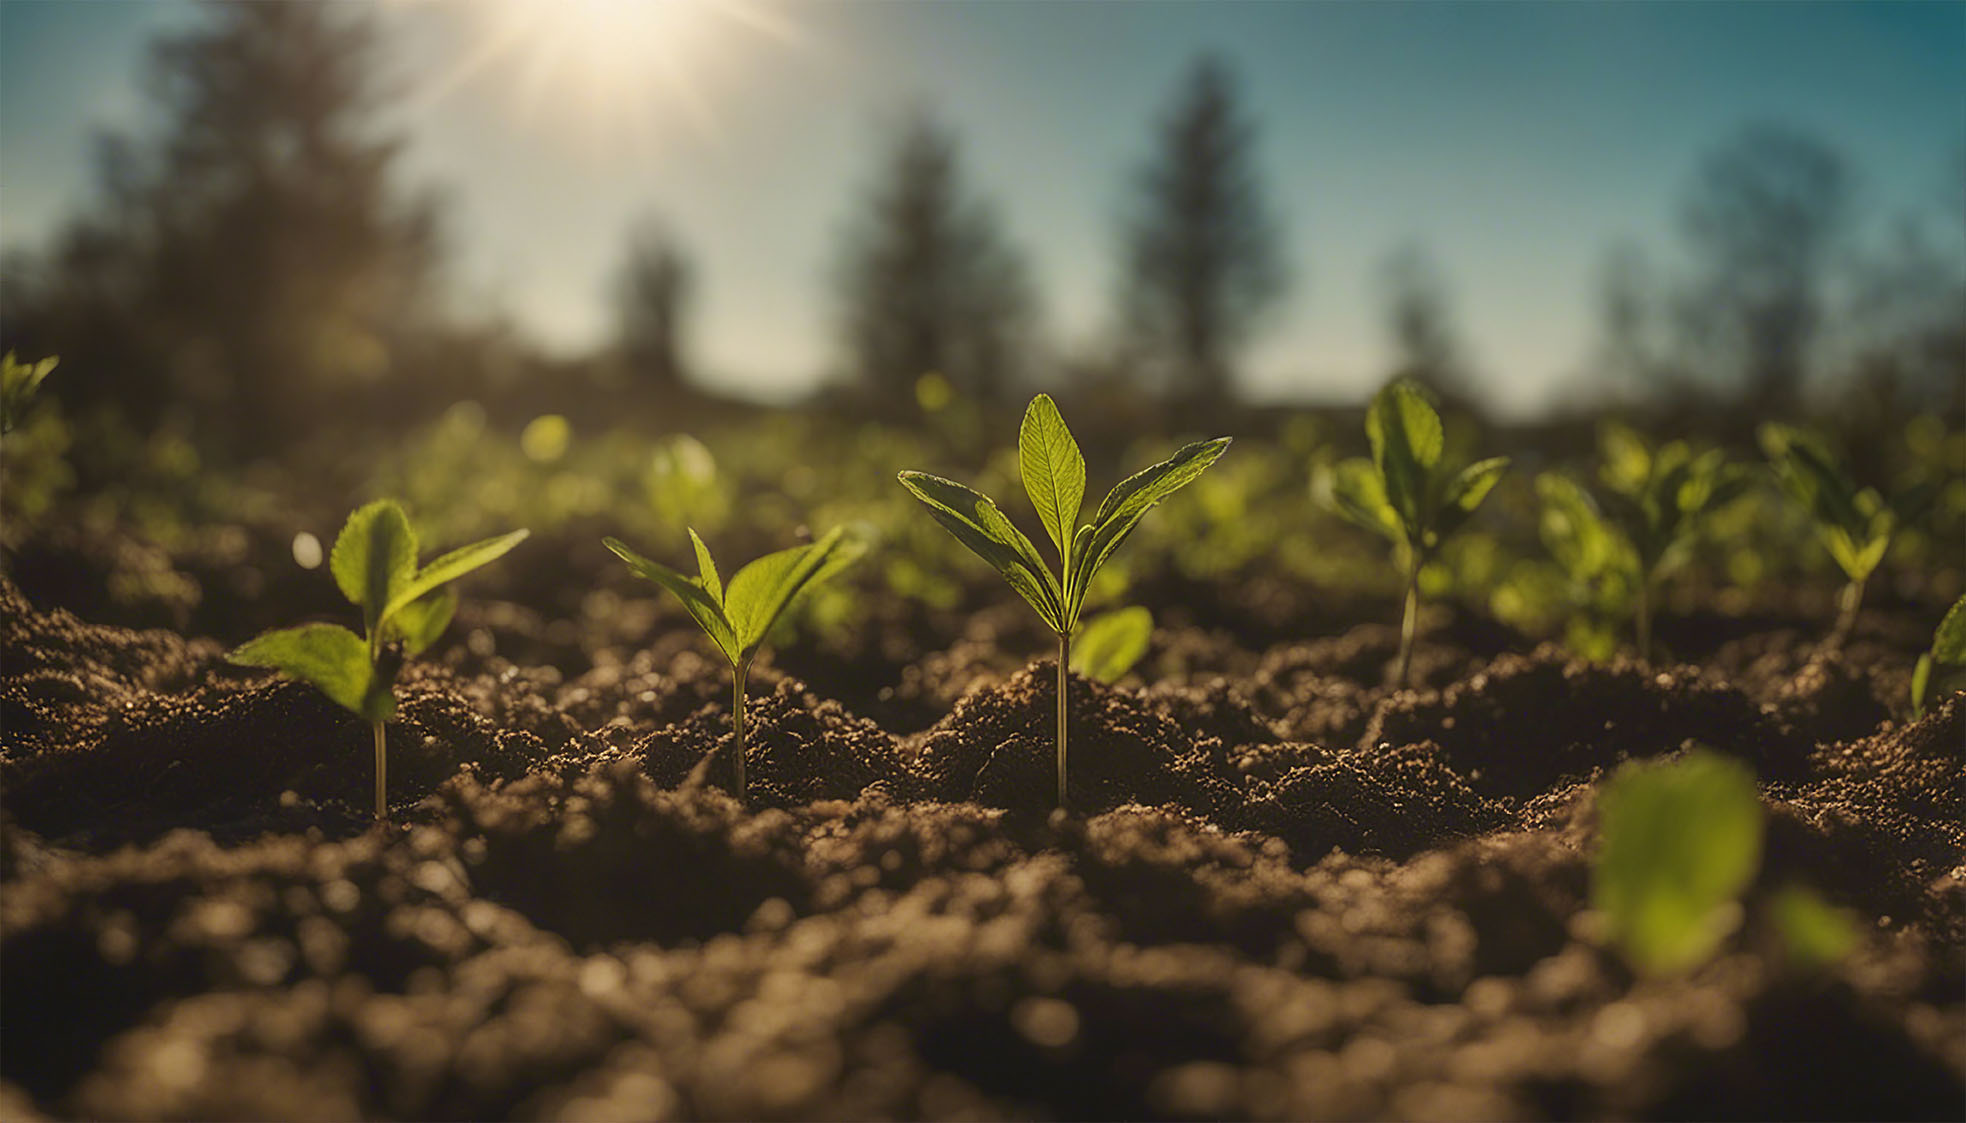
254,268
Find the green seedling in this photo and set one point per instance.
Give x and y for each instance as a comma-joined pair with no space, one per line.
18,383
1948,650
1678,845
374,563
1653,503
1855,524
738,617
1054,477
1406,494
1112,643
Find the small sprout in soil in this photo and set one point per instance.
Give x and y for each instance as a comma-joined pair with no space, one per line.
374,563
1406,494
1654,500
1112,643
1054,477
1855,524
1948,650
1678,845
738,617
18,383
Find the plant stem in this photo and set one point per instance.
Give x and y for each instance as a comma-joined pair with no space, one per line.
1847,602
1064,660
737,725
1409,624
381,772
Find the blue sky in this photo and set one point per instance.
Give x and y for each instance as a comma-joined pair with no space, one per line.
1515,141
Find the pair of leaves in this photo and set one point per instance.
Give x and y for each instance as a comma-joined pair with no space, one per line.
1948,649
1053,471
1112,643
374,564
1678,845
1653,502
1854,523
738,618
18,383
1404,493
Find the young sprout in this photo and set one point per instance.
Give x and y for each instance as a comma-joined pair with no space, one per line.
1948,649
1054,478
1406,494
1855,524
18,383
737,618
1113,642
374,563
1654,500
1678,845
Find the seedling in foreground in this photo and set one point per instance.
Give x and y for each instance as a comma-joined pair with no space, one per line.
1405,494
738,618
1855,524
1948,649
1654,500
18,383
1113,642
1054,477
374,563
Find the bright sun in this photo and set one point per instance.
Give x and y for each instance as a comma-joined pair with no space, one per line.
617,69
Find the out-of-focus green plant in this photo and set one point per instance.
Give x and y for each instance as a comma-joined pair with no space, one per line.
18,383
374,563
1112,643
1405,492
1053,471
1854,523
738,618
1948,650
1654,501
1678,844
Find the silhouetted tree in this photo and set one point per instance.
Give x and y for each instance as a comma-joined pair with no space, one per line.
251,258
926,280
1200,263
1761,219
655,287
1420,321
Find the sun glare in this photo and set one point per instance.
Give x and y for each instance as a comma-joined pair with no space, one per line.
614,69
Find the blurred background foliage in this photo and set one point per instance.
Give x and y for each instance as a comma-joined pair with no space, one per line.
256,336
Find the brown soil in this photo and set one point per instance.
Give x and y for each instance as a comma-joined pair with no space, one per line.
1286,890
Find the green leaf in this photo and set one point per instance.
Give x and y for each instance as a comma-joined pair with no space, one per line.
1678,843
1949,642
1811,474
452,566
1126,504
18,383
1354,489
374,559
977,523
1627,460
708,613
332,658
1053,471
1815,934
420,622
1468,489
1112,643
761,590
1407,439
706,569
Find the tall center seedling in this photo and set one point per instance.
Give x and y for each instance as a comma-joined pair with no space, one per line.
738,618
374,563
1054,477
1406,494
